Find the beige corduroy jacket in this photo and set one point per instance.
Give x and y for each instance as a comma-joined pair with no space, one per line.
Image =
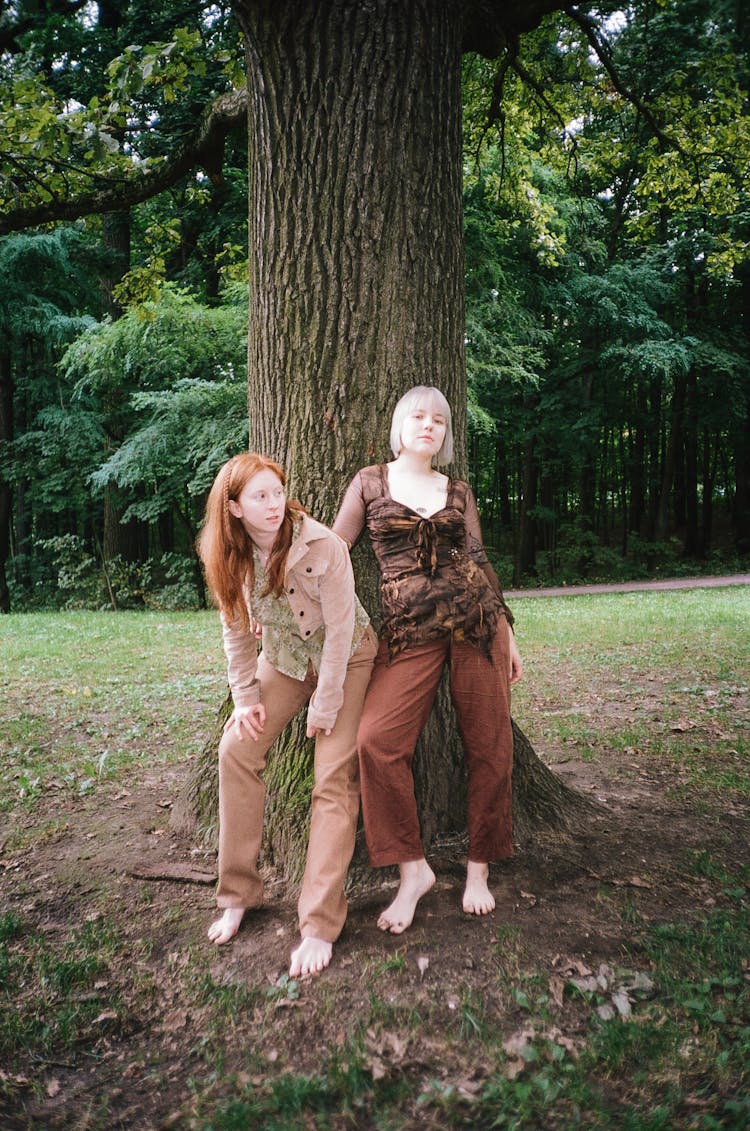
319,586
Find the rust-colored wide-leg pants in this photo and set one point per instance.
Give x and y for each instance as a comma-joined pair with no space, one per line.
398,703
335,798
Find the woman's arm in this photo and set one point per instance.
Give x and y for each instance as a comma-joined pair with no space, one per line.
475,549
350,521
240,647
516,663
337,610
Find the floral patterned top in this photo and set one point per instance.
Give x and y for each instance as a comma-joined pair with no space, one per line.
283,646
436,579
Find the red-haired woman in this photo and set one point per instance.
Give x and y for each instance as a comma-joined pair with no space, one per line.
267,561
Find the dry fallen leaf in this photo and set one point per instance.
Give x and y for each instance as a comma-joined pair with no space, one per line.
568,965
518,1041
556,989
108,1015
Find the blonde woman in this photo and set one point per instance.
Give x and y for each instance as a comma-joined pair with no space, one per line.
441,605
269,563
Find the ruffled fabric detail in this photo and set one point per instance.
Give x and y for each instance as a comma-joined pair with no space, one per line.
430,588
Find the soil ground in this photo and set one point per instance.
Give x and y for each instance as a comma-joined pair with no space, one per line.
563,901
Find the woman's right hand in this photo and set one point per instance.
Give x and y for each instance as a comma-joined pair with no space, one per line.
247,721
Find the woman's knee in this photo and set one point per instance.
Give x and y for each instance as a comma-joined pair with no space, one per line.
240,753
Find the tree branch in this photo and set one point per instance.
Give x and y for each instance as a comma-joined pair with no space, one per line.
601,48
205,147
526,77
490,25
11,33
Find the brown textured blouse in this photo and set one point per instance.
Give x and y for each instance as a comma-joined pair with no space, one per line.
435,577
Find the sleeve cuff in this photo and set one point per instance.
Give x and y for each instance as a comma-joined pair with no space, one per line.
248,696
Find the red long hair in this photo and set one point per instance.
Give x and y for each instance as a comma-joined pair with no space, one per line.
226,549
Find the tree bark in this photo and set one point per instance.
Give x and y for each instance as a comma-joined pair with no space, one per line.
355,229
356,294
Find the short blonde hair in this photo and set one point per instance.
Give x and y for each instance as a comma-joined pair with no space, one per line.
430,399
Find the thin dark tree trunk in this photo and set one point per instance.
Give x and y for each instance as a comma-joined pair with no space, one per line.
691,544
672,484
525,558
637,463
741,441
6,491
710,464
654,463
502,488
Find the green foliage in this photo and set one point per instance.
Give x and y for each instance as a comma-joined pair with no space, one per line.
149,407
604,315
71,577
188,432
84,105
154,344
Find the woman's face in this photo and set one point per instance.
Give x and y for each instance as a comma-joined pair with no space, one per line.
260,505
423,431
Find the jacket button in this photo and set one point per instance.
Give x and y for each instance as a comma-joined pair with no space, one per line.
302,612
309,569
307,633
291,590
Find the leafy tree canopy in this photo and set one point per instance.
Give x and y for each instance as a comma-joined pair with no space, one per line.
95,118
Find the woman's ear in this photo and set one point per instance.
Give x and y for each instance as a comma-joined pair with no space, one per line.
234,508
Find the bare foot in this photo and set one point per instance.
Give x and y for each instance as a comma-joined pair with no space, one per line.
417,877
310,957
225,928
478,899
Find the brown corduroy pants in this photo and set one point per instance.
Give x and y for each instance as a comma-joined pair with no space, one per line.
335,798
398,703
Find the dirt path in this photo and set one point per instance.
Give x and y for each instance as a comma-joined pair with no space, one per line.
633,586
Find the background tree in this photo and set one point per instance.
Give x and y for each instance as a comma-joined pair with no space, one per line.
84,106
43,286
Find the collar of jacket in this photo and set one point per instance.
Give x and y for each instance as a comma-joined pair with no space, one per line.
311,531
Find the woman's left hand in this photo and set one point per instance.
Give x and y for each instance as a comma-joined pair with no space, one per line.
516,663
313,732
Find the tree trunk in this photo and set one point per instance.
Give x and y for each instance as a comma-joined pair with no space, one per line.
691,545
741,442
654,465
355,229
525,557
672,485
356,291
637,463
6,492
